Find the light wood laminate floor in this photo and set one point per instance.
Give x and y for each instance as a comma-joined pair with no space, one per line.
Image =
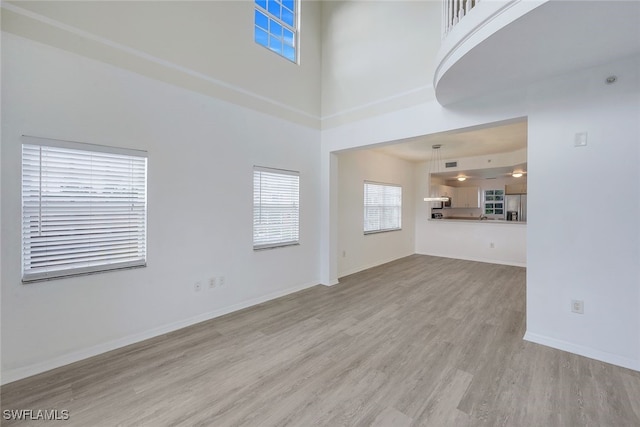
422,341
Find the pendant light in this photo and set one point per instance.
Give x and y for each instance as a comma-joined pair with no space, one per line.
434,167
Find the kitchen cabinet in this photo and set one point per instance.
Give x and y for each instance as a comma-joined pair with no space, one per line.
519,188
442,191
446,191
466,197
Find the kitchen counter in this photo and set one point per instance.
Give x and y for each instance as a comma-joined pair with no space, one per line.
476,220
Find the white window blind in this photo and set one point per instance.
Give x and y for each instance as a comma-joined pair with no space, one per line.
276,207
84,208
382,207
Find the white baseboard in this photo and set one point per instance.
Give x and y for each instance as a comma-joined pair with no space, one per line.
11,375
332,282
580,350
487,260
371,265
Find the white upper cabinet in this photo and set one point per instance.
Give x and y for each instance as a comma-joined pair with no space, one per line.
466,197
446,191
518,188
442,191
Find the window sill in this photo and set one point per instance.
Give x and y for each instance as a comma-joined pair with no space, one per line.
282,245
70,275
382,231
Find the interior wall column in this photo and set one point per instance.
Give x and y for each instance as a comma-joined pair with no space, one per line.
329,219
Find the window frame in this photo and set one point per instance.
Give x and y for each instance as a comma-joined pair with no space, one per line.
256,219
381,230
77,231
493,200
279,21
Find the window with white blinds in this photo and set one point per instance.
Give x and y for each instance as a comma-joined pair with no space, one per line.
382,207
84,208
276,208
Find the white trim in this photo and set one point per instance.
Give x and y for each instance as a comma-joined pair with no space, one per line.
386,184
148,57
76,31
581,350
74,145
485,260
10,375
276,170
332,282
377,102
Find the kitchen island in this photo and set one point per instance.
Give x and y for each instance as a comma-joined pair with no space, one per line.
488,240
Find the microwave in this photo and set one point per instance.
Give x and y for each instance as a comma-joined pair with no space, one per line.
441,205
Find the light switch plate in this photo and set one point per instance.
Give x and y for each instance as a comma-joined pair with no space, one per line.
577,306
580,139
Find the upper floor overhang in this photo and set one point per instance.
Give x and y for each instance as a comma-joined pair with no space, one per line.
495,46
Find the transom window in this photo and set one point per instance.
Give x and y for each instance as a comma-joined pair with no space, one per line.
84,208
276,26
276,207
382,207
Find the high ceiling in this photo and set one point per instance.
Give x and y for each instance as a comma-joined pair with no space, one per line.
492,140
554,38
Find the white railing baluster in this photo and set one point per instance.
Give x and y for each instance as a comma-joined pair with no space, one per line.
445,28
453,11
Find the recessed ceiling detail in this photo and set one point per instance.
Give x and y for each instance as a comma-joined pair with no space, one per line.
456,145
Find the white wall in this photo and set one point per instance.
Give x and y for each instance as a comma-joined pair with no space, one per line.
196,141
575,248
367,65
466,240
581,249
472,240
497,243
356,250
494,160
201,154
206,46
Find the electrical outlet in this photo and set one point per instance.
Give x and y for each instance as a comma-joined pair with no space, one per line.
492,245
221,280
197,286
212,283
577,306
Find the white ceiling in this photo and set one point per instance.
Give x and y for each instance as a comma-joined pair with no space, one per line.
554,38
487,173
471,143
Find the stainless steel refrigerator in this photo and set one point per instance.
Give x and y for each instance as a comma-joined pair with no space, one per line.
516,207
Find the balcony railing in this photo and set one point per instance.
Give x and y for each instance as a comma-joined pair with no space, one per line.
453,11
